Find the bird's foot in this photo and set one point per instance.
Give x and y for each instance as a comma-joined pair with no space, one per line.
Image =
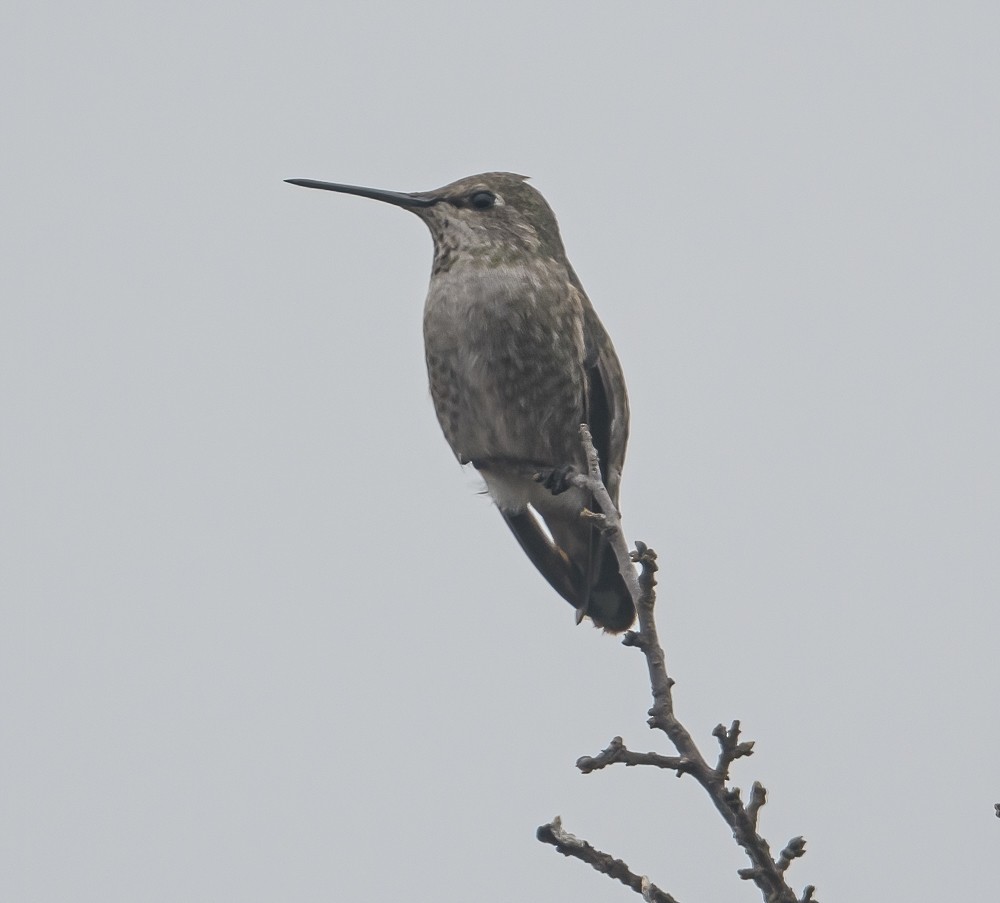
556,479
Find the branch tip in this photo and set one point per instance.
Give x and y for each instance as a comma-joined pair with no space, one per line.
732,798
795,848
631,638
758,796
568,845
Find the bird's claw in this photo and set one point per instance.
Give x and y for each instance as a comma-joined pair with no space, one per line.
556,479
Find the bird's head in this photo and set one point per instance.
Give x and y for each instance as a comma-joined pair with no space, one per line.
492,219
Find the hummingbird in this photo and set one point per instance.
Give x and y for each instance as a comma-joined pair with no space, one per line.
517,360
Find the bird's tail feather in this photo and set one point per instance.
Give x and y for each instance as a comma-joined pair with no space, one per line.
594,585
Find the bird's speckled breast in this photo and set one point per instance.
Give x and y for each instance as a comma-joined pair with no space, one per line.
505,353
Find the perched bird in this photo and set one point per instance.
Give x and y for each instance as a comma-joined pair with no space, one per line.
517,360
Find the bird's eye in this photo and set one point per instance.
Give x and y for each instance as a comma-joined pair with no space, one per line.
482,200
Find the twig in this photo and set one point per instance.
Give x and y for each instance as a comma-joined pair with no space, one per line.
569,845
593,483
731,748
616,752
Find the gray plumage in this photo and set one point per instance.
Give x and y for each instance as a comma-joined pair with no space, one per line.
517,360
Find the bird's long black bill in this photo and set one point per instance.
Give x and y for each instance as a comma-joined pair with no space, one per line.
399,198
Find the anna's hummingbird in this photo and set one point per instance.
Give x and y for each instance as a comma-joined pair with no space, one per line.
517,360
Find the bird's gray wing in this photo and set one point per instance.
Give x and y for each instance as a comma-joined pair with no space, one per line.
606,401
606,597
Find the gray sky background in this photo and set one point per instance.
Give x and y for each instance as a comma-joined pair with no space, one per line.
263,641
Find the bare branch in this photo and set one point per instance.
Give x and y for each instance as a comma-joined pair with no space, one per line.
569,845
617,752
765,872
612,528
